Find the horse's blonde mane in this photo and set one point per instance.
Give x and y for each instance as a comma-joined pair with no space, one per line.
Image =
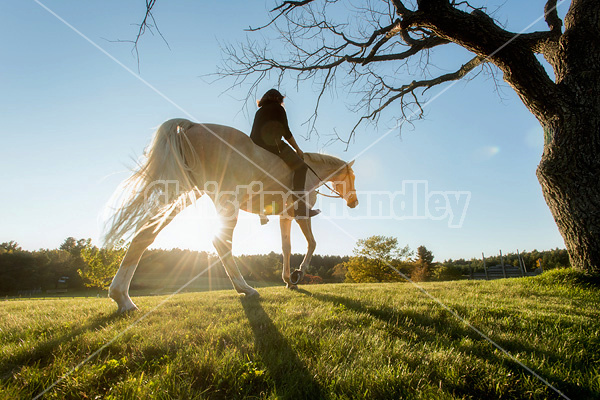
325,159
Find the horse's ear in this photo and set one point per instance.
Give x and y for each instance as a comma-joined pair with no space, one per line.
351,163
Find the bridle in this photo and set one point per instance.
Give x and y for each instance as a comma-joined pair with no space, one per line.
338,194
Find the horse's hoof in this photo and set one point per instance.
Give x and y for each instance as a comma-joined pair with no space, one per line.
291,287
250,294
123,301
296,276
128,309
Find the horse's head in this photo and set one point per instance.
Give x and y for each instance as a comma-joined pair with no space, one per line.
343,183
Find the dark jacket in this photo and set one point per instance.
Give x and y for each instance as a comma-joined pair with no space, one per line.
270,126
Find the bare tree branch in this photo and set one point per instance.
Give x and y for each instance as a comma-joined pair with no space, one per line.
551,17
412,87
148,24
395,37
283,9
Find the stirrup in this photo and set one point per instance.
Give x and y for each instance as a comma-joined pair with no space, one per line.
313,212
306,213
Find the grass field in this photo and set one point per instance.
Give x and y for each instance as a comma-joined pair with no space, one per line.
149,285
376,341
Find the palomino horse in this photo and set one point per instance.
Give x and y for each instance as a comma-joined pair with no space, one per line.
187,160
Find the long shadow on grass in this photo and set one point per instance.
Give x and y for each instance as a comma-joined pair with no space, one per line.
442,329
43,353
291,378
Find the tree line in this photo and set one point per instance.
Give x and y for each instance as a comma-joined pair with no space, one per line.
383,259
78,264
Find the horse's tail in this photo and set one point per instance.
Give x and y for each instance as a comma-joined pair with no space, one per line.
161,183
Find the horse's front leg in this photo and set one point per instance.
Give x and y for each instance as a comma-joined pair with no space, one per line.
286,226
306,226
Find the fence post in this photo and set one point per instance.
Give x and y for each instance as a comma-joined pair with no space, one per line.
520,265
485,267
502,262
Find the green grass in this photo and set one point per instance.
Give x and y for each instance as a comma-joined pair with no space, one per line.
149,284
376,341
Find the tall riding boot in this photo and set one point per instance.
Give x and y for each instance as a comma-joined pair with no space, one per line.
300,198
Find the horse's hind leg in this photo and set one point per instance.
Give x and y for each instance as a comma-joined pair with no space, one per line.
286,224
222,243
119,288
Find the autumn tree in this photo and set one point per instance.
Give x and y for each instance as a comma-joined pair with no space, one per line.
376,48
422,268
375,260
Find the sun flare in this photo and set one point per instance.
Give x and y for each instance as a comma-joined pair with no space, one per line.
194,228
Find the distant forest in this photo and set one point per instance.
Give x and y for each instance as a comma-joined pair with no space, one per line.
45,270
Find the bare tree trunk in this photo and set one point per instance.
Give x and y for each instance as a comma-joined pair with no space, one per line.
568,108
569,171
570,177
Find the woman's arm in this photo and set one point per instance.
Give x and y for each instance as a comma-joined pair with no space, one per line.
288,133
292,141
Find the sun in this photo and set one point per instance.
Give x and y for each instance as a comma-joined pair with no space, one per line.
194,228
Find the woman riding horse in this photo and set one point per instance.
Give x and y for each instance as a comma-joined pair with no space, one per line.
270,126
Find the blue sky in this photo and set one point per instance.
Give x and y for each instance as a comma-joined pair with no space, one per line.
72,120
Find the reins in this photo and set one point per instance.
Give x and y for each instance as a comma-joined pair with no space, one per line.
326,185
328,195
